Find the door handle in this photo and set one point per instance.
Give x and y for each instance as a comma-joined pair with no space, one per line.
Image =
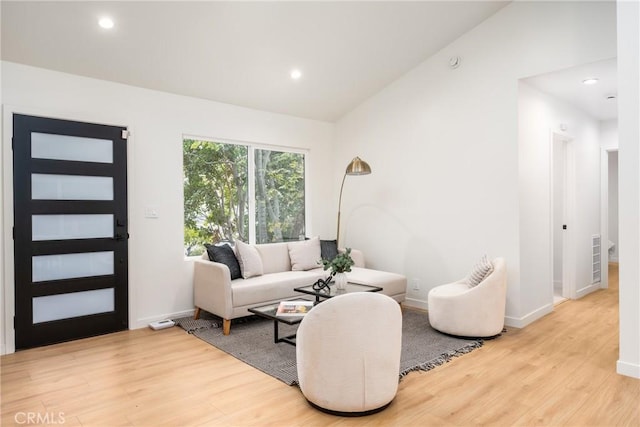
119,237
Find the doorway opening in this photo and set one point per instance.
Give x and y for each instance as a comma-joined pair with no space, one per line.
562,204
609,212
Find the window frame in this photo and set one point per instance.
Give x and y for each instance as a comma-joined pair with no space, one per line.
251,194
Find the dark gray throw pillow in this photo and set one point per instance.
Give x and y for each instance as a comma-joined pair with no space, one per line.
328,249
224,254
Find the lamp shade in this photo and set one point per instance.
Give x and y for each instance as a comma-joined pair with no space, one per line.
358,167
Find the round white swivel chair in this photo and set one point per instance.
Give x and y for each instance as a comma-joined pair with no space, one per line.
348,353
471,311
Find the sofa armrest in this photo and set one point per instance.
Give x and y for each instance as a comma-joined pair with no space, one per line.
357,256
212,288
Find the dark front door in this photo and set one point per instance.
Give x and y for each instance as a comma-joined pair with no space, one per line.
70,230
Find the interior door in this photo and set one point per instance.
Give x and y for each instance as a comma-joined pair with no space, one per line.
70,230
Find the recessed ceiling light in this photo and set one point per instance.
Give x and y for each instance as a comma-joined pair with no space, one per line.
106,22
590,81
296,74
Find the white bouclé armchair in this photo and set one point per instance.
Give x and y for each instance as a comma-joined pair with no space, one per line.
348,353
471,311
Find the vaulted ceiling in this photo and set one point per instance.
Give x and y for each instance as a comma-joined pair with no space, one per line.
241,53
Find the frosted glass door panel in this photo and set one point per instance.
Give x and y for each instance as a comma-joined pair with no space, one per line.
71,187
64,147
65,227
64,306
70,266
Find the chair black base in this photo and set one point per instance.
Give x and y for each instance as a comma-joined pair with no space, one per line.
350,414
465,337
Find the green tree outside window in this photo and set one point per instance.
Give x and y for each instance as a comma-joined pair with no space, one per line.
216,194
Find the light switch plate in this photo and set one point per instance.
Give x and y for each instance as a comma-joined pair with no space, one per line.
151,212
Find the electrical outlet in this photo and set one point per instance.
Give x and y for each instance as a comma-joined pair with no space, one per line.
415,284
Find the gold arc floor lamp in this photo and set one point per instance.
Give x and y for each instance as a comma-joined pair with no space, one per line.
357,166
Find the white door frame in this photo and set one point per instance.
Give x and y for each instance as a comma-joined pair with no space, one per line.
568,239
604,214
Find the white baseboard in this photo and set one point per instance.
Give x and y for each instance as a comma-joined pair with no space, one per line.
521,322
613,258
415,303
588,289
628,369
144,322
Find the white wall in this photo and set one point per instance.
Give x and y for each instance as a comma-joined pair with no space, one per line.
443,145
539,115
2,231
609,134
629,185
159,278
2,221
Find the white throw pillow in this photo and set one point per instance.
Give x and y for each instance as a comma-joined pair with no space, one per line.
305,255
481,270
249,260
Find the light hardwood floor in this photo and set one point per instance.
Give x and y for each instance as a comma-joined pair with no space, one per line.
559,370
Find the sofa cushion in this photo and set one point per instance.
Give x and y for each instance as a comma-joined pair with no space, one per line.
481,270
270,287
305,255
275,257
328,249
249,260
224,254
450,290
393,284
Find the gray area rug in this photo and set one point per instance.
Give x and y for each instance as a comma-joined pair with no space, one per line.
251,341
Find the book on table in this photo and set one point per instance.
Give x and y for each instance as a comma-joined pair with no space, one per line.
294,308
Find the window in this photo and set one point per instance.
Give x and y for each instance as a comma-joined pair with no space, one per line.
234,191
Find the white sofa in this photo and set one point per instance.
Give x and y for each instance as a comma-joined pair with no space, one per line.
215,292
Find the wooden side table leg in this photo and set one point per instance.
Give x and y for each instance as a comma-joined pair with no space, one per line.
226,326
196,315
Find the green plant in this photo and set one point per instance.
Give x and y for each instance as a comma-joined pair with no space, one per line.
340,264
